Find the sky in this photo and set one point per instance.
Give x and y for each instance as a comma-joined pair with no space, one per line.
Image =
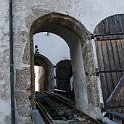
51,46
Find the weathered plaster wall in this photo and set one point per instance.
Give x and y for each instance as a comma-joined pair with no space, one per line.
4,64
90,13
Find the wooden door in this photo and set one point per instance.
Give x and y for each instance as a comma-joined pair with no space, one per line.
63,74
109,40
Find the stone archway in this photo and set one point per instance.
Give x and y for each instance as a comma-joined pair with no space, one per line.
41,60
83,67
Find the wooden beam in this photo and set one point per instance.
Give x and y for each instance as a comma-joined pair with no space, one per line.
109,37
117,89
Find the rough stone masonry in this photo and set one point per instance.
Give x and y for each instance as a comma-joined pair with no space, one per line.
79,18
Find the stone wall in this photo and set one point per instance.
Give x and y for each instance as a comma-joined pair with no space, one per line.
92,80
25,12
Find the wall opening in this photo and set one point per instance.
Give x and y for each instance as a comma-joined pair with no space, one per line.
64,79
59,55
51,46
44,73
74,34
39,78
54,48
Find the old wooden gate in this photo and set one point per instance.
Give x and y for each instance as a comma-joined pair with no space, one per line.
109,39
63,74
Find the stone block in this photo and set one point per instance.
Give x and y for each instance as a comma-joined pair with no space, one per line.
24,111
26,55
22,98
23,104
23,79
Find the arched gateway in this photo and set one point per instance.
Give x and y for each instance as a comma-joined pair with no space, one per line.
82,59
83,67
